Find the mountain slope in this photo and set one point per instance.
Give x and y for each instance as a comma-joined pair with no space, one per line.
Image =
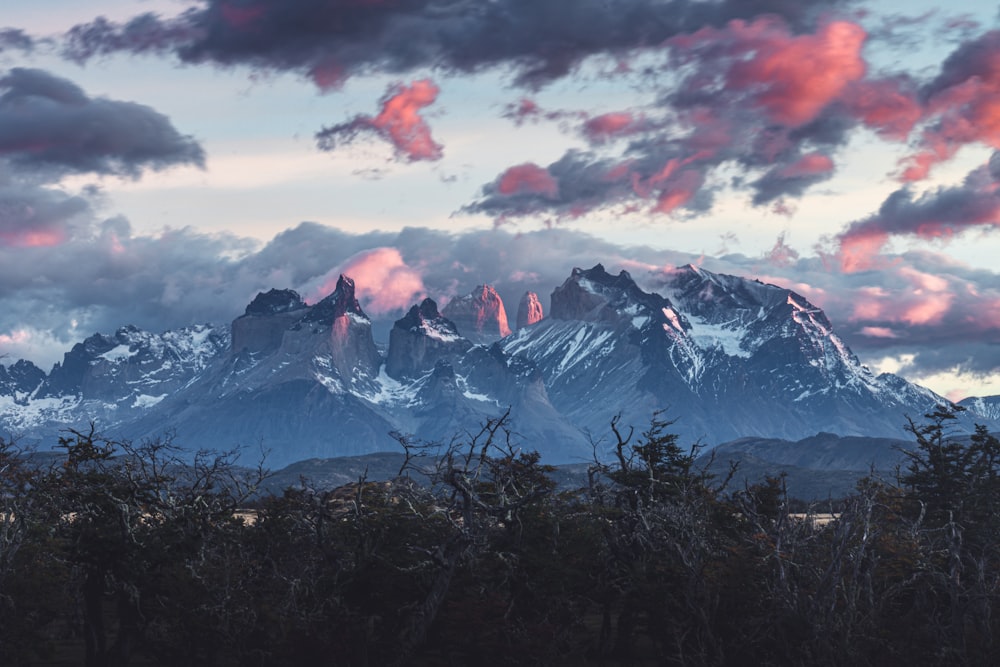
727,356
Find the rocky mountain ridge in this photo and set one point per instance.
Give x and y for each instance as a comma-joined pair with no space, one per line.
728,357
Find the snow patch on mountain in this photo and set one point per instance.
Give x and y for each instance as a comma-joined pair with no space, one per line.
144,401
326,374
727,336
119,353
389,391
983,408
18,415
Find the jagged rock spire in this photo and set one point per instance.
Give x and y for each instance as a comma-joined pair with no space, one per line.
420,339
480,315
529,310
342,300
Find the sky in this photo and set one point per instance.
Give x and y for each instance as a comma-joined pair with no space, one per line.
162,161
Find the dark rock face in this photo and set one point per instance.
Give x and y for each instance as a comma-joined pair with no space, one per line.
22,378
279,321
594,295
479,316
341,302
420,339
351,344
294,419
529,310
263,324
275,301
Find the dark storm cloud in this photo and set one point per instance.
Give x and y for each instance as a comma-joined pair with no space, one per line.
577,182
940,213
12,38
792,179
49,123
33,215
541,40
970,59
49,127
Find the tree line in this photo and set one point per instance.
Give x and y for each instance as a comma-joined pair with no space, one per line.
131,554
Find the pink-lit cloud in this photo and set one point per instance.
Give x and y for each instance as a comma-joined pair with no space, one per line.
928,309
678,190
36,217
399,122
750,93
878,332
383,280
937,214
32,238
888,106
792,178
781,254
859,250
18,337
609,126
791,77
918,299
328,75
962,105
808,165
527,178
868,303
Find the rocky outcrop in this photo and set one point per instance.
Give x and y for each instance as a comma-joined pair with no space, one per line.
22,378
264,323
275,301
529,310
594,295
480,316
420,339
132,363
352,346
280,321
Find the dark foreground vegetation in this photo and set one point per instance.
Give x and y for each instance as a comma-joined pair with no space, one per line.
121,554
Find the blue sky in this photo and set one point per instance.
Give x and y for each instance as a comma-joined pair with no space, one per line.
639,145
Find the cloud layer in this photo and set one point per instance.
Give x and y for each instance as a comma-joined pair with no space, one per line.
770,90
539,40
50,128
49,123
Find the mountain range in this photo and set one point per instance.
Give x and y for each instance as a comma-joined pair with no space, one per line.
726,357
